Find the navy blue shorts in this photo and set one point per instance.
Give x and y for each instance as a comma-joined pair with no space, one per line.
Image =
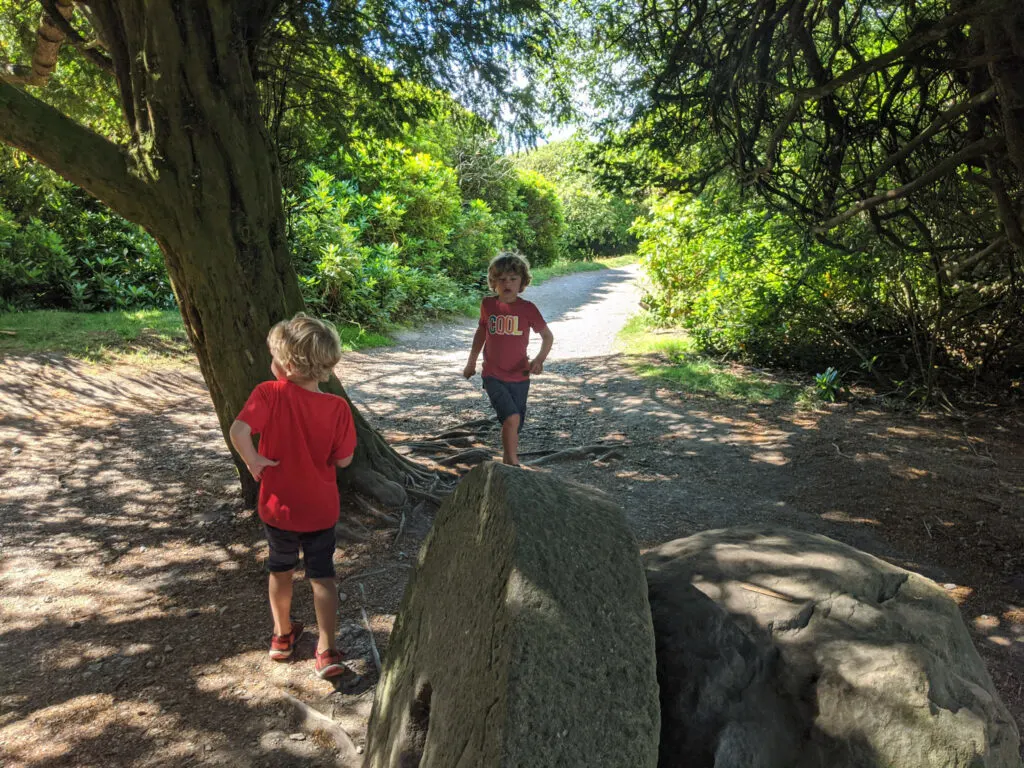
508,397
317,551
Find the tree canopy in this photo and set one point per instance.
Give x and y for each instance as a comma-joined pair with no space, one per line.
178,116
879,128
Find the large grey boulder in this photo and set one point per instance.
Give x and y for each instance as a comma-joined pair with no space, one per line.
524,637
781,649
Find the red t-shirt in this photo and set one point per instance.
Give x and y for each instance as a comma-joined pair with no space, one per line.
307,432
508,333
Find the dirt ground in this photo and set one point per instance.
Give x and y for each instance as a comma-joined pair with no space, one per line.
132,593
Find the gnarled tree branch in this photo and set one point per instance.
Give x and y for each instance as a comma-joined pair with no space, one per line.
82,157
971,151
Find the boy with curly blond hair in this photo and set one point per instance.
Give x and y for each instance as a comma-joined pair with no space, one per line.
305,435
503,335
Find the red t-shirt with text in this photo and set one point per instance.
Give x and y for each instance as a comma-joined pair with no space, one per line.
508,334
307,433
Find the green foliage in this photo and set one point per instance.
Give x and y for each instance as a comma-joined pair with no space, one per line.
597,222
536,224
861,126
672,357
752,285
141,336
59,248
827,383
401,249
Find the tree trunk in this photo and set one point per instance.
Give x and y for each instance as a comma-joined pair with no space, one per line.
202,177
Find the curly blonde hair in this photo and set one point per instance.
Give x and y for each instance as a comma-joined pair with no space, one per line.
305,346
508,261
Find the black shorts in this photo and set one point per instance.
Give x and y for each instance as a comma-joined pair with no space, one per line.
317,551
508,397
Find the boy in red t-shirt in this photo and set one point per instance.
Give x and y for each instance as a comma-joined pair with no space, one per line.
305,434
503,334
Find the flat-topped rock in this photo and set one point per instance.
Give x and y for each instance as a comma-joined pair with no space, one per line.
524,637
782,649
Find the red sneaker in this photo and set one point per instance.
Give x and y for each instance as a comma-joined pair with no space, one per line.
281,646
328,663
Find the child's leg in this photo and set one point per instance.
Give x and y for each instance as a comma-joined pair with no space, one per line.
510,439
284,556
281,601
318,548
325,602
509,401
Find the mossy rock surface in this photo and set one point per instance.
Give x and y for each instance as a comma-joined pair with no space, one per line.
524,637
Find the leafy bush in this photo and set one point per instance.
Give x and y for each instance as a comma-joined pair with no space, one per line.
597,221
827,384
536,224
60,248
358,261
752,285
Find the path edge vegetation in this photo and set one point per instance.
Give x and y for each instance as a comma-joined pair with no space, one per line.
155,337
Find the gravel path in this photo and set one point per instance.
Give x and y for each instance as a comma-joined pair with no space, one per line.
585,312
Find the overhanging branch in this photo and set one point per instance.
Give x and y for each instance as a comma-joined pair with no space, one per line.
936,125
84,158
57,18
977,149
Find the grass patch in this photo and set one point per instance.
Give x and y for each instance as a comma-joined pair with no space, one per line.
148,336
677,362
560,268
619,261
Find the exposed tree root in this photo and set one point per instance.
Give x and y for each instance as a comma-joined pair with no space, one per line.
346,532
368,508
401,528
472,456
373,642
437,444
312,721
576,453
469,428
431,497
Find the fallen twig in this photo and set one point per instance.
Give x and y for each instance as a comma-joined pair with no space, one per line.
373,643
766,591
927,528
836,446
8,333
986,457
376,571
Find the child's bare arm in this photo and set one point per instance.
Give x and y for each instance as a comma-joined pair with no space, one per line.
342,463
478,343
241,437
546,340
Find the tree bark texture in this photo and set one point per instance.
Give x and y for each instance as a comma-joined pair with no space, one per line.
201,176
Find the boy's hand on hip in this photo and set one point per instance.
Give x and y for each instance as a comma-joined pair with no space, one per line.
258,464
469,370
537,366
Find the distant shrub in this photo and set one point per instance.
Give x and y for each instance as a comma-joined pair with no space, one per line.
597,221
536,224
61,249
